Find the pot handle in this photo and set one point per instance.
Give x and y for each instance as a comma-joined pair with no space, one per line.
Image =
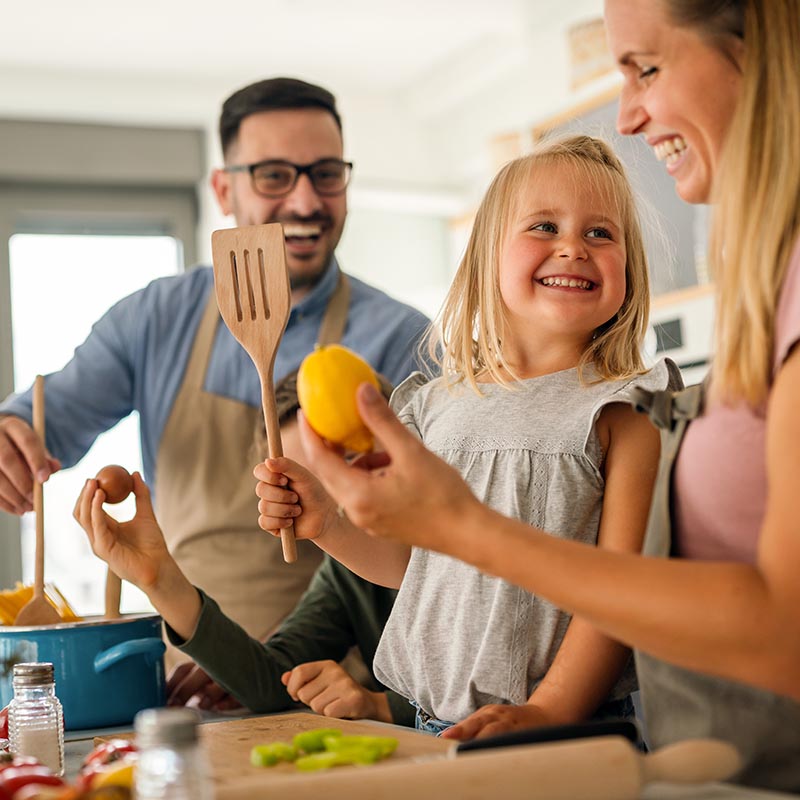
151,648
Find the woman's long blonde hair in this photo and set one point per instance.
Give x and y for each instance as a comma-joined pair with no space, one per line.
466,340
756,194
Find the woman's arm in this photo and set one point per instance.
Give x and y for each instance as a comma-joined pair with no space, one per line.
733,620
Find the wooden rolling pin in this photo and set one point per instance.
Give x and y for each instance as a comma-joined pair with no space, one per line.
603,768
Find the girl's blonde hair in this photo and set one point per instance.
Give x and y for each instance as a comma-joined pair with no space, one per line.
757,189
466,340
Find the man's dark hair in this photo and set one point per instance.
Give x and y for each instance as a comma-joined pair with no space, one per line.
273,94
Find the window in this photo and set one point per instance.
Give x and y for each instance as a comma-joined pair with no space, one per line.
66,254
84,274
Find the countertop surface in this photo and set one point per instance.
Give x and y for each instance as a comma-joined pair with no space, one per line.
79,743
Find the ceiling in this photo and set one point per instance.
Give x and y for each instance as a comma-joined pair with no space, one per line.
368,45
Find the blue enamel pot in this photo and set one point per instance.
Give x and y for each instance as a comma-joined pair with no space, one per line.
106,670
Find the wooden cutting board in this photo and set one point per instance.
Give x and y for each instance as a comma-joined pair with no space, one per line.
227,744
601,768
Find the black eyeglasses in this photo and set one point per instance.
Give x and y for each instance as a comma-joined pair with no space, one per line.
276,178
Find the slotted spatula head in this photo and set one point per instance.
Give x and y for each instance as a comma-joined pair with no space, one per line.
254,298
252,284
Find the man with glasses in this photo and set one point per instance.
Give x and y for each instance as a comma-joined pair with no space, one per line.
164,353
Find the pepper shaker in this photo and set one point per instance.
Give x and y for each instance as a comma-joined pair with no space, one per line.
171,765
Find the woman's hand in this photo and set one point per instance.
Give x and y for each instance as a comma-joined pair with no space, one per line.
135,550
327,688
405,493
495,719
290,494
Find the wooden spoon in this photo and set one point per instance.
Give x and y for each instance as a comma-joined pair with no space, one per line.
117,484
38,611
113,591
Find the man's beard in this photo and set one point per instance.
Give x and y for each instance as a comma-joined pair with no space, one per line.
307,280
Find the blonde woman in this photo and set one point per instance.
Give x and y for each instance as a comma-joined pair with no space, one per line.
533,411
713,87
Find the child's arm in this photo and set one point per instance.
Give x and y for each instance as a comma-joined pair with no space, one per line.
136,552
290,494
588,663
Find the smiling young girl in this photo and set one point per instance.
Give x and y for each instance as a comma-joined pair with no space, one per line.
540,338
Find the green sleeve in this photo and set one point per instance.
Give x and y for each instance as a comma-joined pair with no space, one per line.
338,610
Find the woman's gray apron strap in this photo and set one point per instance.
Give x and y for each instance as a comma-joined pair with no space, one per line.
681,704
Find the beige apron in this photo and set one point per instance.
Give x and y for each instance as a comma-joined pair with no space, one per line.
682,704
205,493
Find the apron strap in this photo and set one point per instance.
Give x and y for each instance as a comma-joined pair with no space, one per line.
334,321
203,344
670,412
666,408
331,330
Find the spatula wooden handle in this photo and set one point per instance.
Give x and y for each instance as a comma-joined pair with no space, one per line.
38,489
113,594
275,446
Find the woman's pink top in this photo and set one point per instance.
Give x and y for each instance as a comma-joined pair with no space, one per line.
720,481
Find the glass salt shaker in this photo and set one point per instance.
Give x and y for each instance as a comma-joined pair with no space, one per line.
35,717
171,764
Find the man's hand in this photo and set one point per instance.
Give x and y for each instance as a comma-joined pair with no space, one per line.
328,689
189,685
22,455
495,719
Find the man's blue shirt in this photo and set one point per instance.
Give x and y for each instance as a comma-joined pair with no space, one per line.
135,357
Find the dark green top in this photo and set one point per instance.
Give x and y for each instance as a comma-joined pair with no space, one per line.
339,610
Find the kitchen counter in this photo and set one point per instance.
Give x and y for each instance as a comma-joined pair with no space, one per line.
80,743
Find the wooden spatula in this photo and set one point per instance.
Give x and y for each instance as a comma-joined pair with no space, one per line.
254,298
38,611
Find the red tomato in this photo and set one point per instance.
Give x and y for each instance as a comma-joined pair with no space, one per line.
103,754
35,791
109,751
14,778
4,723
10,760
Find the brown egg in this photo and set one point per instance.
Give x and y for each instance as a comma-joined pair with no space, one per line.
116,482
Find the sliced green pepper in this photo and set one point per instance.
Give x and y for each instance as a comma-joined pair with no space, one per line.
267,755
319,760
335,758
314,741
386,745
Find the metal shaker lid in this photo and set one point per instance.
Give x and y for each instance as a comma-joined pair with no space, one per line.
166,726
37,673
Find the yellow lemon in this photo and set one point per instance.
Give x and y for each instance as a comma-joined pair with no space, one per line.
326,388
119,774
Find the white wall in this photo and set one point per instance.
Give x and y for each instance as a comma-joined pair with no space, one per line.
422,154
